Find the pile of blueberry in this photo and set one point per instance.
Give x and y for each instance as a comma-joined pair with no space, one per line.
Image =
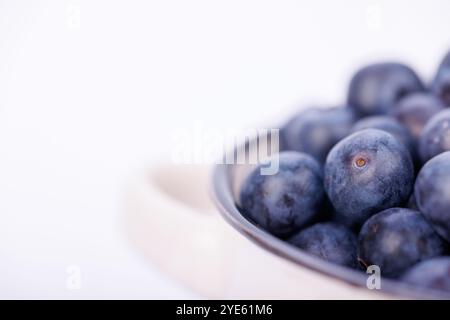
368,183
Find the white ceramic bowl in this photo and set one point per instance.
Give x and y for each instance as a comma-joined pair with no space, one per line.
169,215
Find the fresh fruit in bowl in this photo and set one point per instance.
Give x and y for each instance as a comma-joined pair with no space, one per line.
435,138
375,89
414,111
397,238
367,172
441,84
315,131
285,202
432,193
362,185
330,241
432,273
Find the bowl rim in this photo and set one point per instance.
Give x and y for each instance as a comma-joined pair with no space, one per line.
221,183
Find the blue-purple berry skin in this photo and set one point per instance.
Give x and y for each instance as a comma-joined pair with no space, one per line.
435,137
397,238
412,203
415,110
316,130
390,125
430,274
445,62
367,172
441,83
284,202
375,89
432,193
330,241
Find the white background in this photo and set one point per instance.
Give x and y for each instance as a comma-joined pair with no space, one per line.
90,92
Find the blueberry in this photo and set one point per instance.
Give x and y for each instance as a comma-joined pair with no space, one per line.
432,193
397,238
376,88
435,137
441,84
315,131
330,241
445,62
432,274
415,110
389,125
288,200
412,203
367,172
